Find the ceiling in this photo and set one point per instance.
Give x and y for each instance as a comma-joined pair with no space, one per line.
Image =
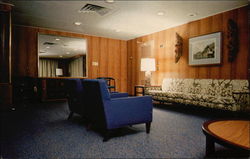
125,20
51,46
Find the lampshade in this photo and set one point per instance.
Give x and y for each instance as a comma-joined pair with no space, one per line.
59,72
147,64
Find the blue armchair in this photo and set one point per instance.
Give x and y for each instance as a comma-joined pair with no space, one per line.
76,98
111,113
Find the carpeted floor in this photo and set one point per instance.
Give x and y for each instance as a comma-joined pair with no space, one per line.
43,131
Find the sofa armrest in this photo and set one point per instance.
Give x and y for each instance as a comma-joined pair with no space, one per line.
242,98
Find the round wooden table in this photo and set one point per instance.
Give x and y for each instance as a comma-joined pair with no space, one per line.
230,133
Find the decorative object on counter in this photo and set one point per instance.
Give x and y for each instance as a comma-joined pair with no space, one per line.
233,40
59,72
178,47
148,65
205,49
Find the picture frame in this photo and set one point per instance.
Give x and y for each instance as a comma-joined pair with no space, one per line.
205,49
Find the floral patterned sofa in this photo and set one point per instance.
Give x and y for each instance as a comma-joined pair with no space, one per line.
212,93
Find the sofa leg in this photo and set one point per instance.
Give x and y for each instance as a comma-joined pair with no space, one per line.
148,127
106,136
70,115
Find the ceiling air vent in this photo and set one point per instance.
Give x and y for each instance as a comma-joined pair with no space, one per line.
49,43
94,8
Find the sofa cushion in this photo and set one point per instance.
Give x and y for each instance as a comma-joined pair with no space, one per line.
172,85
214,93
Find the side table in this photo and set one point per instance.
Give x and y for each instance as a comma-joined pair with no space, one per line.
139,90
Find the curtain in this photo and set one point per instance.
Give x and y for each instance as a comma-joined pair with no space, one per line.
47,67
76,67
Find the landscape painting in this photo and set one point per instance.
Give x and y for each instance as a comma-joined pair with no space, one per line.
205,50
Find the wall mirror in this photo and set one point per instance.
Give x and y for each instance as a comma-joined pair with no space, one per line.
60,56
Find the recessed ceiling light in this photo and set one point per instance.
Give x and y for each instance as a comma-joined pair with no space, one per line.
61,56
192,14
57,39
109,1
47,47
67,53
75,49
160,13
77,23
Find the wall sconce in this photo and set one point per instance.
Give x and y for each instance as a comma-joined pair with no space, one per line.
148,65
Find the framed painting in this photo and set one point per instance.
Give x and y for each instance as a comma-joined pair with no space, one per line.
205,49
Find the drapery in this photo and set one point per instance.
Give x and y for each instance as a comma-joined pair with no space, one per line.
76,67
47,67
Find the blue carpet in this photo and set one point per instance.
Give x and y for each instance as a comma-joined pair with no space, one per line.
43,131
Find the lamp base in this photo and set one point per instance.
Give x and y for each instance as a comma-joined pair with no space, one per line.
147,78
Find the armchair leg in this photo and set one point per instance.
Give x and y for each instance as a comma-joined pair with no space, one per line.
106,136
148,127
70,115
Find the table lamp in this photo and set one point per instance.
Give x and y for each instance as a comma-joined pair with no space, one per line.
59,72
148,65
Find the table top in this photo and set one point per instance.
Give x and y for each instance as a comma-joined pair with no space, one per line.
141,86
234,132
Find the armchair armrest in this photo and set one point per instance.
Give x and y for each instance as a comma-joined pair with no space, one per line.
118,95
128,110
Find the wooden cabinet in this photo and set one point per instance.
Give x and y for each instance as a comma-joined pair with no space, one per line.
24,91
52,89
5,57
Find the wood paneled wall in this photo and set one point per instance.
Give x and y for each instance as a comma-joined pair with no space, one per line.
165,56
111,54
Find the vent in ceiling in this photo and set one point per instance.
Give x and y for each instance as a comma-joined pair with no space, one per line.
42,52
49,43
94,8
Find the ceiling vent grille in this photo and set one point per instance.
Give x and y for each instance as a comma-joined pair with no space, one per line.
88,8
49,43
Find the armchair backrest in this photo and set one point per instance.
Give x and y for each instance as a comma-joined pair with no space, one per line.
95,93
75,95
110,82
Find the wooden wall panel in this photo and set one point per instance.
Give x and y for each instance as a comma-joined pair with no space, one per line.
130,65
24,52
123,66
167,68
244,49
111,54
94,52
103,61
